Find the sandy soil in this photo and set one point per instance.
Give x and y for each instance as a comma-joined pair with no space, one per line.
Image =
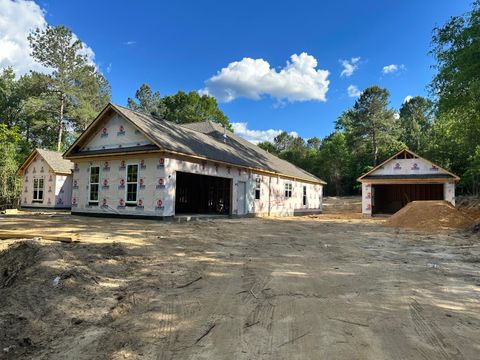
326,287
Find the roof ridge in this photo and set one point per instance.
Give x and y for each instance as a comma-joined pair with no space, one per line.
191,140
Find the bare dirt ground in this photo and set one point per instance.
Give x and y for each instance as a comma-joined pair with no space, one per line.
334,286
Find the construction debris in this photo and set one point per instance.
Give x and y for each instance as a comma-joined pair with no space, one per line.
9,212
15,234
430,216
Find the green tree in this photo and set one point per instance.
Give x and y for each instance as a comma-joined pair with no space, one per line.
333,164
268,146
183,108
10,98
180,108
370,124
314,143
90,95
456,48
416,118
149,102
24,104
10,191
72,77
472,175
284,142
456,87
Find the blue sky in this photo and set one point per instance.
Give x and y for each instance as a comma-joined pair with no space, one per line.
181,45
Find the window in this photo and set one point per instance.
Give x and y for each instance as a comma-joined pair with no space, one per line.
94,185
257,188
288,190
304,195
37,190
132,185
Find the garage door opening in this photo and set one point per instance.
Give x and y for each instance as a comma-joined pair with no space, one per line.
202,194
388,199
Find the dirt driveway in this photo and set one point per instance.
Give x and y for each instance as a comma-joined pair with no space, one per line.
332,287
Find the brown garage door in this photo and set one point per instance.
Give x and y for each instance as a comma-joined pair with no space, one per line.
388,199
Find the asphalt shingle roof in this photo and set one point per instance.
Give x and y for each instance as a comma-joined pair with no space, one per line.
206,139
55,160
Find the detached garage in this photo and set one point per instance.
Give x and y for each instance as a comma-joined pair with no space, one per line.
402,178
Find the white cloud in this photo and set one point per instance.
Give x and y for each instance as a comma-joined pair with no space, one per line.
17,19
388,69
407,98
349,67
353,91
109,68
255,136
251,78
130,42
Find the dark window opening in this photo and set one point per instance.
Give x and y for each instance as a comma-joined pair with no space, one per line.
257,188
304,195
288,190
37,190
132,185
94,185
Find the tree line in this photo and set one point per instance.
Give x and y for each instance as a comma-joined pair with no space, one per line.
444,128
49,109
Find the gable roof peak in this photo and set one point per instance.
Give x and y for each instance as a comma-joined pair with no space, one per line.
197,140
54,159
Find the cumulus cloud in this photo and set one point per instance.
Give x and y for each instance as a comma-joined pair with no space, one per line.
349,67
407,98
251,78
389,69
353,91
255,136
17,19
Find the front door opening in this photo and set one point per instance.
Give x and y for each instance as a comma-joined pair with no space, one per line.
202,194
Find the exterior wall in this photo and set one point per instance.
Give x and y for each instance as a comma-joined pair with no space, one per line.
367,191
273,201
56,187
449,192
156,195
408,167
116,133
404,167
63,191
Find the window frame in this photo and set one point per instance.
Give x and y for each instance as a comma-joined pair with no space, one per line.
288,190
90,200
131,203
36,190
304,195
258,186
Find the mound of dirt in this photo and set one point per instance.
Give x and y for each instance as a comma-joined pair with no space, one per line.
15,259
430,216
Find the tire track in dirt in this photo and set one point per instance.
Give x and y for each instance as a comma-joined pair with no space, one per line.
432,335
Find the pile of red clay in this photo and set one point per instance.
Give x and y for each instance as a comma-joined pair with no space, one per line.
430,216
